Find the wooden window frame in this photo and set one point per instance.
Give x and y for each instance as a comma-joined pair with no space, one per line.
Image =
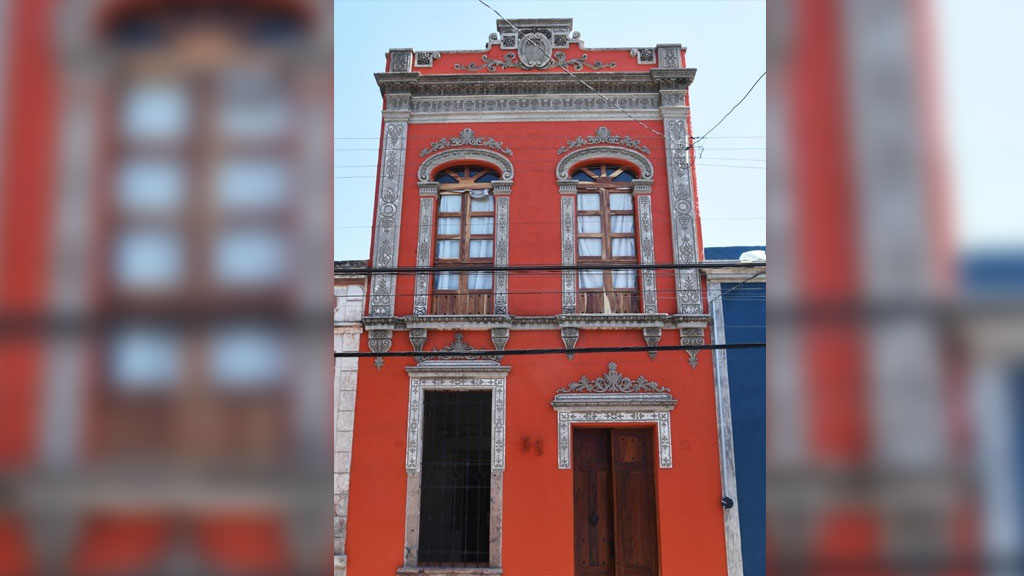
628,298
463,299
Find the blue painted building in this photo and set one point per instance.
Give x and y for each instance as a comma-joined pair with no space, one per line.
736,298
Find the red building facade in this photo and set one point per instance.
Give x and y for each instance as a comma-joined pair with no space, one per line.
559,463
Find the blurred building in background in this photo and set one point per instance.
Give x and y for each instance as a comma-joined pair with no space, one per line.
165,221
350,281
471,457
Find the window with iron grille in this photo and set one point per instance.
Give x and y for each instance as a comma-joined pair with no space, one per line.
465,237
455,489
605,234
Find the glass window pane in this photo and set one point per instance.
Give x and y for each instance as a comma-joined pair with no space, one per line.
591,279
148,259
446,281
485,204
479,281
588,224
252,183
622,224
253,258
624,279
145,358
588,201
451,203
481,225
620,201
448,226
590,247
623,247
448,249
155,111
151,185
481,248
246,357
252,106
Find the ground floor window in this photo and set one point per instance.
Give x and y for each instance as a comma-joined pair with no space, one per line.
455,489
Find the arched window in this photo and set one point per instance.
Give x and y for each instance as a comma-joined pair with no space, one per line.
606,234
465,237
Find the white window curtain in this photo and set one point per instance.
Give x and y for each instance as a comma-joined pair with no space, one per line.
624,279
588,224
623,247
450,203
620,202
591,279
485,204
588,201
481,225
448,249
446,281
622,224
590,247
481,248
448,226
479,281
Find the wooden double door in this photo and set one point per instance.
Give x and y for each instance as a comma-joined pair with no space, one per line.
615,517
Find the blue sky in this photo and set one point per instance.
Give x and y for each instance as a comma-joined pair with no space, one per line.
725,41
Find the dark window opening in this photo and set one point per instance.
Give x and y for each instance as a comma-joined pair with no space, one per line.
455,489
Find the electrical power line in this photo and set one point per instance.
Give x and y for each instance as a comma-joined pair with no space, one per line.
556,267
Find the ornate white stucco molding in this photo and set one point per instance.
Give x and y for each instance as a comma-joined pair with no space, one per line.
389,218
612,399
431,164
615,152
453,376
684,229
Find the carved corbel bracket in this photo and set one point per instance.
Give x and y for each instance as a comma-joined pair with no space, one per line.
418,337
652,336
499,337
380,342
691,337
570,335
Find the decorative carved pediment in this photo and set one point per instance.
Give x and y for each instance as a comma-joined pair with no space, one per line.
459,349
612,381
466,138
603,136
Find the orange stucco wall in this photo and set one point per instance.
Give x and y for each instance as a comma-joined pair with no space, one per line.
537,506
537,525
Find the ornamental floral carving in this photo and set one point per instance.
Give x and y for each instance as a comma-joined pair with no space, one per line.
465,138
603,136
613,381
557,60
459,349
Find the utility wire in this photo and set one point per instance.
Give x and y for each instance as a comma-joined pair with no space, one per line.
554,267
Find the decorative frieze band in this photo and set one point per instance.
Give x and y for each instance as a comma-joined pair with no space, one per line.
388,220
538,103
